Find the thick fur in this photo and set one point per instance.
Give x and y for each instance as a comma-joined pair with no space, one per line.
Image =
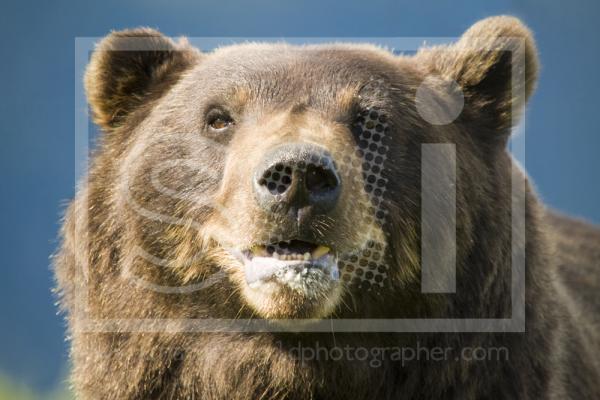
149,102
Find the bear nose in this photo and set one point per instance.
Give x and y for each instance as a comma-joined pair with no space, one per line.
298,175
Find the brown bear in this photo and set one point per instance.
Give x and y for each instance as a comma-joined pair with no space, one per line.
251,216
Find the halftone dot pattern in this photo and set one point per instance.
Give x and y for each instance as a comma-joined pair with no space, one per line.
278,178
366,268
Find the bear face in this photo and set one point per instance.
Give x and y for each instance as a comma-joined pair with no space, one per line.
265,123
292,173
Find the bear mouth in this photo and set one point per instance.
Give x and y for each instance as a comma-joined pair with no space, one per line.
292,263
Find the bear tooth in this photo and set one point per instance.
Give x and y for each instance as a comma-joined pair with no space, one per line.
306,256
275,255
320,251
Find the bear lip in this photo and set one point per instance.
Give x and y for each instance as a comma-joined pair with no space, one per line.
259,270
293,249
289,261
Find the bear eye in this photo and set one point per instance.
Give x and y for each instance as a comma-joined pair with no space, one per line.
219,120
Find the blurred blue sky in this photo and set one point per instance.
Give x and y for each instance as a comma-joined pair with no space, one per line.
37,117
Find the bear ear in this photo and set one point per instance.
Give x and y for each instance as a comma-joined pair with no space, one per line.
495,64
130,67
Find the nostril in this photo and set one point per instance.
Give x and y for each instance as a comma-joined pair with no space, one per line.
276,179
319,179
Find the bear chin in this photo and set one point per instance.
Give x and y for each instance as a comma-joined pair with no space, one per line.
279,301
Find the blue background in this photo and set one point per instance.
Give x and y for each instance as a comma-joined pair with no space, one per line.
37,118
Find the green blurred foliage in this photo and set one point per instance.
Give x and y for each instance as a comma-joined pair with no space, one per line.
10,390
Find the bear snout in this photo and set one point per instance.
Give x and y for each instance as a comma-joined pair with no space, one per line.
296,178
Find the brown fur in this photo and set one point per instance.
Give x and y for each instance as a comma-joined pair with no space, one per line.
152,105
